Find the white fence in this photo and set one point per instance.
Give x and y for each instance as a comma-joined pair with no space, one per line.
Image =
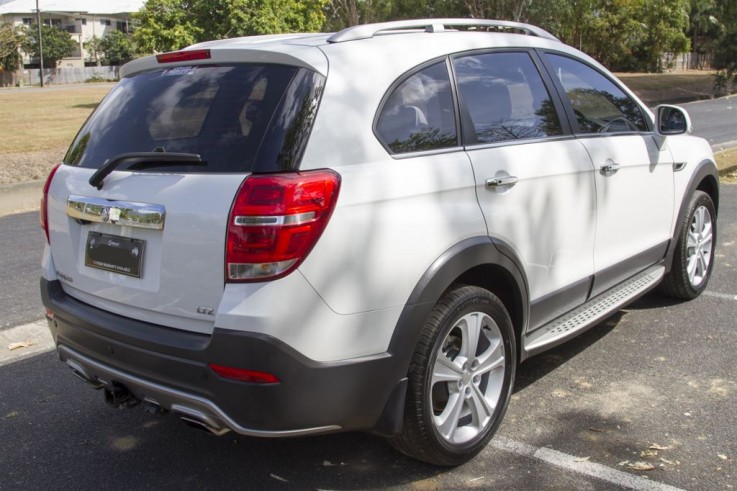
688,61
59,76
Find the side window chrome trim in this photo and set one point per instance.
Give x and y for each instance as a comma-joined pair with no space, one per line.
426,153
582,136
528,141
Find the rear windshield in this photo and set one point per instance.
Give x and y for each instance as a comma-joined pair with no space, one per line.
238,118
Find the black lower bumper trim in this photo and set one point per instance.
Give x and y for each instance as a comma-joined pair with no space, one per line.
347,395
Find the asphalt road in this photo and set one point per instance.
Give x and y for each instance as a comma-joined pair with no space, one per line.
715,120
21,246
654,384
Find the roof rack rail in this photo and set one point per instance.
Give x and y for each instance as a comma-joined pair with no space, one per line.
367,31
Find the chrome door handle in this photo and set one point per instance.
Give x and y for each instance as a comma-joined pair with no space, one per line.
610,167
495,182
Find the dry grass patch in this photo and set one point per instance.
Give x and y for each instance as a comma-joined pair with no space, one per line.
38,126
44,119
727,165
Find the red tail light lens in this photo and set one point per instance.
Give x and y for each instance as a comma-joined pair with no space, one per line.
275,221
188,55
243,375
43,212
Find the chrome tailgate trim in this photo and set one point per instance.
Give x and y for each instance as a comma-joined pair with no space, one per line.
123,213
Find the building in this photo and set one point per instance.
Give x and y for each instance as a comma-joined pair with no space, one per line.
82,19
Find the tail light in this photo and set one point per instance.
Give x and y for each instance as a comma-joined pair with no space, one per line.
275,221
243,375
43,212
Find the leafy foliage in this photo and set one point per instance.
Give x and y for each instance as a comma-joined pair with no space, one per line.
725,58
56,44
117,48
10,39
167,25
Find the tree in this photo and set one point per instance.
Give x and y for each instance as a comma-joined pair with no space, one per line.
665,24
117,48
167,25
344,13
93,48
725,57
57,44
10,39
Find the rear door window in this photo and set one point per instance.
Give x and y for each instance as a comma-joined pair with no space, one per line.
505,97
239,118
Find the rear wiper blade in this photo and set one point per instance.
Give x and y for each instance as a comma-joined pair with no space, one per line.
139,160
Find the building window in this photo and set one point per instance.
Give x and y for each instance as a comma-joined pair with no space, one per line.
122,26
52,22
106,22
27,21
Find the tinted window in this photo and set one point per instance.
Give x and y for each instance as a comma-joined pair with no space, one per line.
505,97
419,114
600,106
238,118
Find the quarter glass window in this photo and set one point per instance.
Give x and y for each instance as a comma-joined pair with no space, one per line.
600,106
505,97
419,114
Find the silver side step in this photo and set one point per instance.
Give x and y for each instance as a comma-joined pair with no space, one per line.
592,312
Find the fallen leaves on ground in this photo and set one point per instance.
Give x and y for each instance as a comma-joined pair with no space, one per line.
20,344
641,466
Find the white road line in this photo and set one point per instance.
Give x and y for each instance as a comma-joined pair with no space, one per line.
579,466
720,295
36,334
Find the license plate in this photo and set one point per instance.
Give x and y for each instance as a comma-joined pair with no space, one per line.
116,254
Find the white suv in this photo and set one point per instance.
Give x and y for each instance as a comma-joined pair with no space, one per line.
300,234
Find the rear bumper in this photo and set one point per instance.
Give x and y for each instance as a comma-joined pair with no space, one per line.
169,367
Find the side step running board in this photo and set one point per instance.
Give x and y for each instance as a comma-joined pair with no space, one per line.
593,311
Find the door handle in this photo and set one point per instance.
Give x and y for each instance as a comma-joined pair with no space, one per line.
610,167
495,182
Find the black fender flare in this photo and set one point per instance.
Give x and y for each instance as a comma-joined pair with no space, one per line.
444,272
706,168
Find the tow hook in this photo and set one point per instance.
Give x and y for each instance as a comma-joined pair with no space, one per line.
119,396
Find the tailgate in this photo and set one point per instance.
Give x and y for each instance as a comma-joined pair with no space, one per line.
147,246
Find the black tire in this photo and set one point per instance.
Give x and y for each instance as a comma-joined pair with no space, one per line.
470,394
678,283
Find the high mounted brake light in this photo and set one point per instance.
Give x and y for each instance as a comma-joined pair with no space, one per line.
275,221
187,55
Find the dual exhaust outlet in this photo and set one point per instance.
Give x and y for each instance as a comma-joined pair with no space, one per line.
119,396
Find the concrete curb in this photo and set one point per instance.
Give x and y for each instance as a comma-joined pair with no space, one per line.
35,336
24,196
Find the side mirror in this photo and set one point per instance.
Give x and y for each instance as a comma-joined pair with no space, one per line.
670,120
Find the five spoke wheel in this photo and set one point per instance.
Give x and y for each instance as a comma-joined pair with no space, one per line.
460,378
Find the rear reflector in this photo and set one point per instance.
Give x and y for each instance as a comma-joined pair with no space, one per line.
243,375
43,212
187,55
275,222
